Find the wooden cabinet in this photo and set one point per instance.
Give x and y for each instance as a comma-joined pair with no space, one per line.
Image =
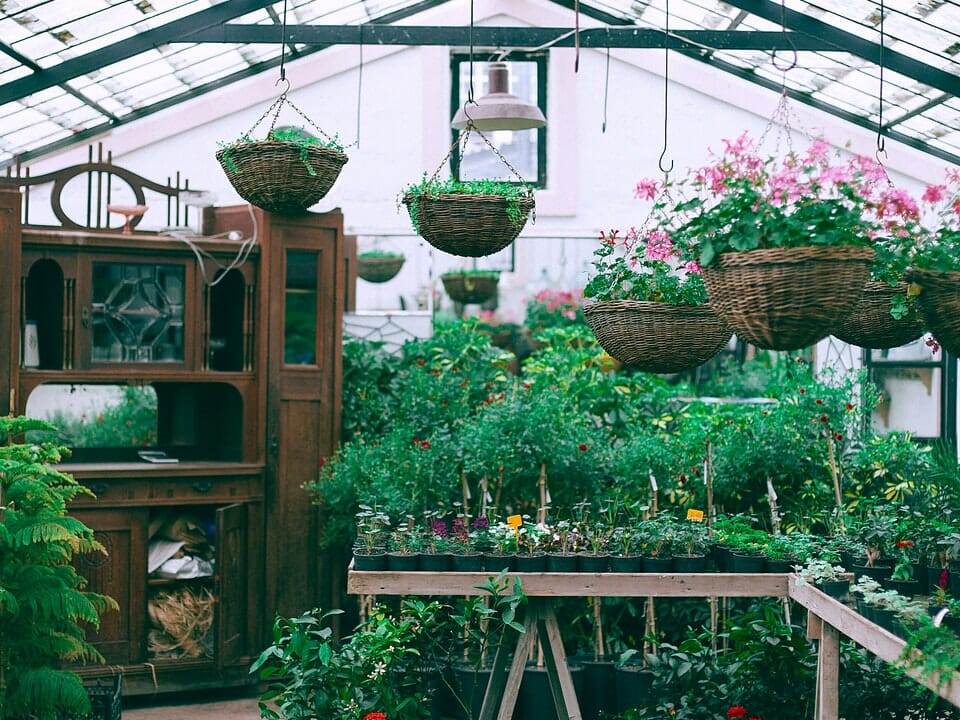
230,352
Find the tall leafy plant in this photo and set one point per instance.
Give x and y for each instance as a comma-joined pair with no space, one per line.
43,604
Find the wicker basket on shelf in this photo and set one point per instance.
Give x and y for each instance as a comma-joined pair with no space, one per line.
379,268
787,298
939,301
468,225
657,337
470,288
871,325
281,177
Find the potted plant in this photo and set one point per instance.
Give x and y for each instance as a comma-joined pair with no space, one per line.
44,608
404,546
825,576
903,576
935,269
649,308
286,172
784,243
373,526
379,266
470,286
470,218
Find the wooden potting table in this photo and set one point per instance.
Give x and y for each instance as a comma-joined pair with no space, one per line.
540,619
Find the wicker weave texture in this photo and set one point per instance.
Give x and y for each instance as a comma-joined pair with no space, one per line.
657,337
467,225
787,298
379,269
273,176
940,305
470,289
871,325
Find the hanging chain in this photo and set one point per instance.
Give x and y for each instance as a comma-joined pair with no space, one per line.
470,88
773,55
606,92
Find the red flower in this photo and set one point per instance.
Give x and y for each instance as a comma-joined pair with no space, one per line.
823,418
421,362
375,716
736,711
904,543
801,391
819,401
425,445
838,436
582,446
849,407
755,718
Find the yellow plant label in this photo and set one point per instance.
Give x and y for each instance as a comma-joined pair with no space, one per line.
515,521
695,515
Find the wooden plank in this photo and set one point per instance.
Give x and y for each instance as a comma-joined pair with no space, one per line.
561,683
502,709
870,636
575,584
828,674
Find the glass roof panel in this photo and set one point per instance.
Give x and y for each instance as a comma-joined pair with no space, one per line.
53,31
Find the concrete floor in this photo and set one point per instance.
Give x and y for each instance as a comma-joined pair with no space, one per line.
191,707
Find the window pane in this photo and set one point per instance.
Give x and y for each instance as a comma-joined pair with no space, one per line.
518,147
300,309
911,400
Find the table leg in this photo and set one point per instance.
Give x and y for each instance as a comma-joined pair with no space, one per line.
561,683
502,689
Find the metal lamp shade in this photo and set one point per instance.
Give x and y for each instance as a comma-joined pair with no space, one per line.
498,109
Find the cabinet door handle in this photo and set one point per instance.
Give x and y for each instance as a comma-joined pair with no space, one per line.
99,489
85,316
202,486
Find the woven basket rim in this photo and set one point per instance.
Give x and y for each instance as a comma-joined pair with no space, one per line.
266,144
465,197
794,255
702,309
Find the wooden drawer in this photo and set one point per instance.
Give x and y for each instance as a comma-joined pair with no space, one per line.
112,493
204,489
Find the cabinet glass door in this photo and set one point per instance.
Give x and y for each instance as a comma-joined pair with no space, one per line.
300,308
137,312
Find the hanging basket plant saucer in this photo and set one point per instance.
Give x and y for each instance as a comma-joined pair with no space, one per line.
470,218
657,337
289,170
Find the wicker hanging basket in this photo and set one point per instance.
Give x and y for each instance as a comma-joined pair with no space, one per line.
468,225
657,337
470,288
281,177
871,325
787,298
939,301
379,268
289,170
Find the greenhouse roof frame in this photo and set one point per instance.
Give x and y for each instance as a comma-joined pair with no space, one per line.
70,71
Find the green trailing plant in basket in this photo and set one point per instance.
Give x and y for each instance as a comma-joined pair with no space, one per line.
939,245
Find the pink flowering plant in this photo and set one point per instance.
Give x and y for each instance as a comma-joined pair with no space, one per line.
939,248
743,201
644,265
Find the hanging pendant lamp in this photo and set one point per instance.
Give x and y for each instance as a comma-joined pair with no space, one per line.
498,109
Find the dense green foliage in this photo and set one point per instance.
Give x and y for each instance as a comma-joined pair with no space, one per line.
43,605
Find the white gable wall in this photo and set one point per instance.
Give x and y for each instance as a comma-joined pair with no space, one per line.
404,131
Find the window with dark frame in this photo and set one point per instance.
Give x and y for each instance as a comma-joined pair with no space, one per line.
938,375
525,150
